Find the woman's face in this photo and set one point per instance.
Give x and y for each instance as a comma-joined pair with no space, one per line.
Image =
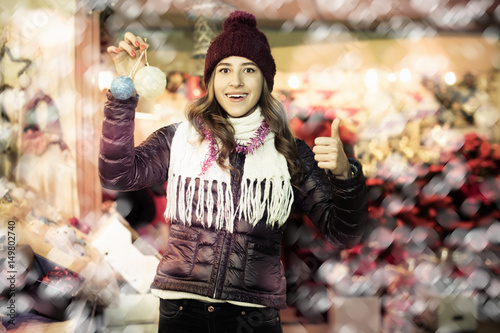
238,85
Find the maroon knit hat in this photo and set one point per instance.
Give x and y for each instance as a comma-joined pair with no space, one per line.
241,38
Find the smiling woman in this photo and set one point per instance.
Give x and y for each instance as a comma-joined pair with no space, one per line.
238,86
234,170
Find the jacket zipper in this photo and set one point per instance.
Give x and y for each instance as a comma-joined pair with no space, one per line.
236,162
218,267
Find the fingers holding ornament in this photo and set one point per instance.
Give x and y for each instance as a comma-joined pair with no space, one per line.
132,50
127,52
132,45
136,42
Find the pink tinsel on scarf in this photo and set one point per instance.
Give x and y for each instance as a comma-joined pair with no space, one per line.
254,143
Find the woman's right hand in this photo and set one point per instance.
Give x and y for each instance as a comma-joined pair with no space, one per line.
126,54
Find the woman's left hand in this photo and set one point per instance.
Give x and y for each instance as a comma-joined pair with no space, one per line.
330,155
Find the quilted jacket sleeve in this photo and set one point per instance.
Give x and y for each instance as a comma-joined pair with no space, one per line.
122,166
338,208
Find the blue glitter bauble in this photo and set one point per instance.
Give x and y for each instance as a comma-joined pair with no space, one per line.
122,87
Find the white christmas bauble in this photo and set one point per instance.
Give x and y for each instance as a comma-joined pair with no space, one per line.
150,82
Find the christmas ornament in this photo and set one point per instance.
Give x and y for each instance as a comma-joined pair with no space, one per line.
149,81
122,87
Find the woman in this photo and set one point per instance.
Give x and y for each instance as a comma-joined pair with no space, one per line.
234,170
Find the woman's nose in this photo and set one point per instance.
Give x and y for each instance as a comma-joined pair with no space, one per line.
236,80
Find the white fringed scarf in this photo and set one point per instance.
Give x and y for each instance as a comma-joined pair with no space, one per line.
266,190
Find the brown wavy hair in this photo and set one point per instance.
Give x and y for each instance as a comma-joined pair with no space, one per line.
206,112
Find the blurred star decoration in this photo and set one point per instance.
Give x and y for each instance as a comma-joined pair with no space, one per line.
11,68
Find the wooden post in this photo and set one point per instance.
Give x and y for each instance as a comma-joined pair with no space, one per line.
88,106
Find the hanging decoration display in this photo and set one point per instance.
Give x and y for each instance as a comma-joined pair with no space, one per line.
34,139
149,81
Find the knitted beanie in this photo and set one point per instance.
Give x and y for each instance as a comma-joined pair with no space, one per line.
241,38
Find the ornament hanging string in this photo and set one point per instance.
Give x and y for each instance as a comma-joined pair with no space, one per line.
136,65
146,53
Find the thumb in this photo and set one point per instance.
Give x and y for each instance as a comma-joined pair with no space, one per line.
335,128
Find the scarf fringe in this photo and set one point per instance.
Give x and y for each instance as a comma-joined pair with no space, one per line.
272,198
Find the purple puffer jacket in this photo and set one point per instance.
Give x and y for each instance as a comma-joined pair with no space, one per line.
243,265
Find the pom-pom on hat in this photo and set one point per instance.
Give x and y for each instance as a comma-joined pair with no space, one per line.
241,38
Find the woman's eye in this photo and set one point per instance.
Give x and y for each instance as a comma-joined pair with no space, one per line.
249,70
224,70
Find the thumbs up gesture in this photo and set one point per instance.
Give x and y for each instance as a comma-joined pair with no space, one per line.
330,155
